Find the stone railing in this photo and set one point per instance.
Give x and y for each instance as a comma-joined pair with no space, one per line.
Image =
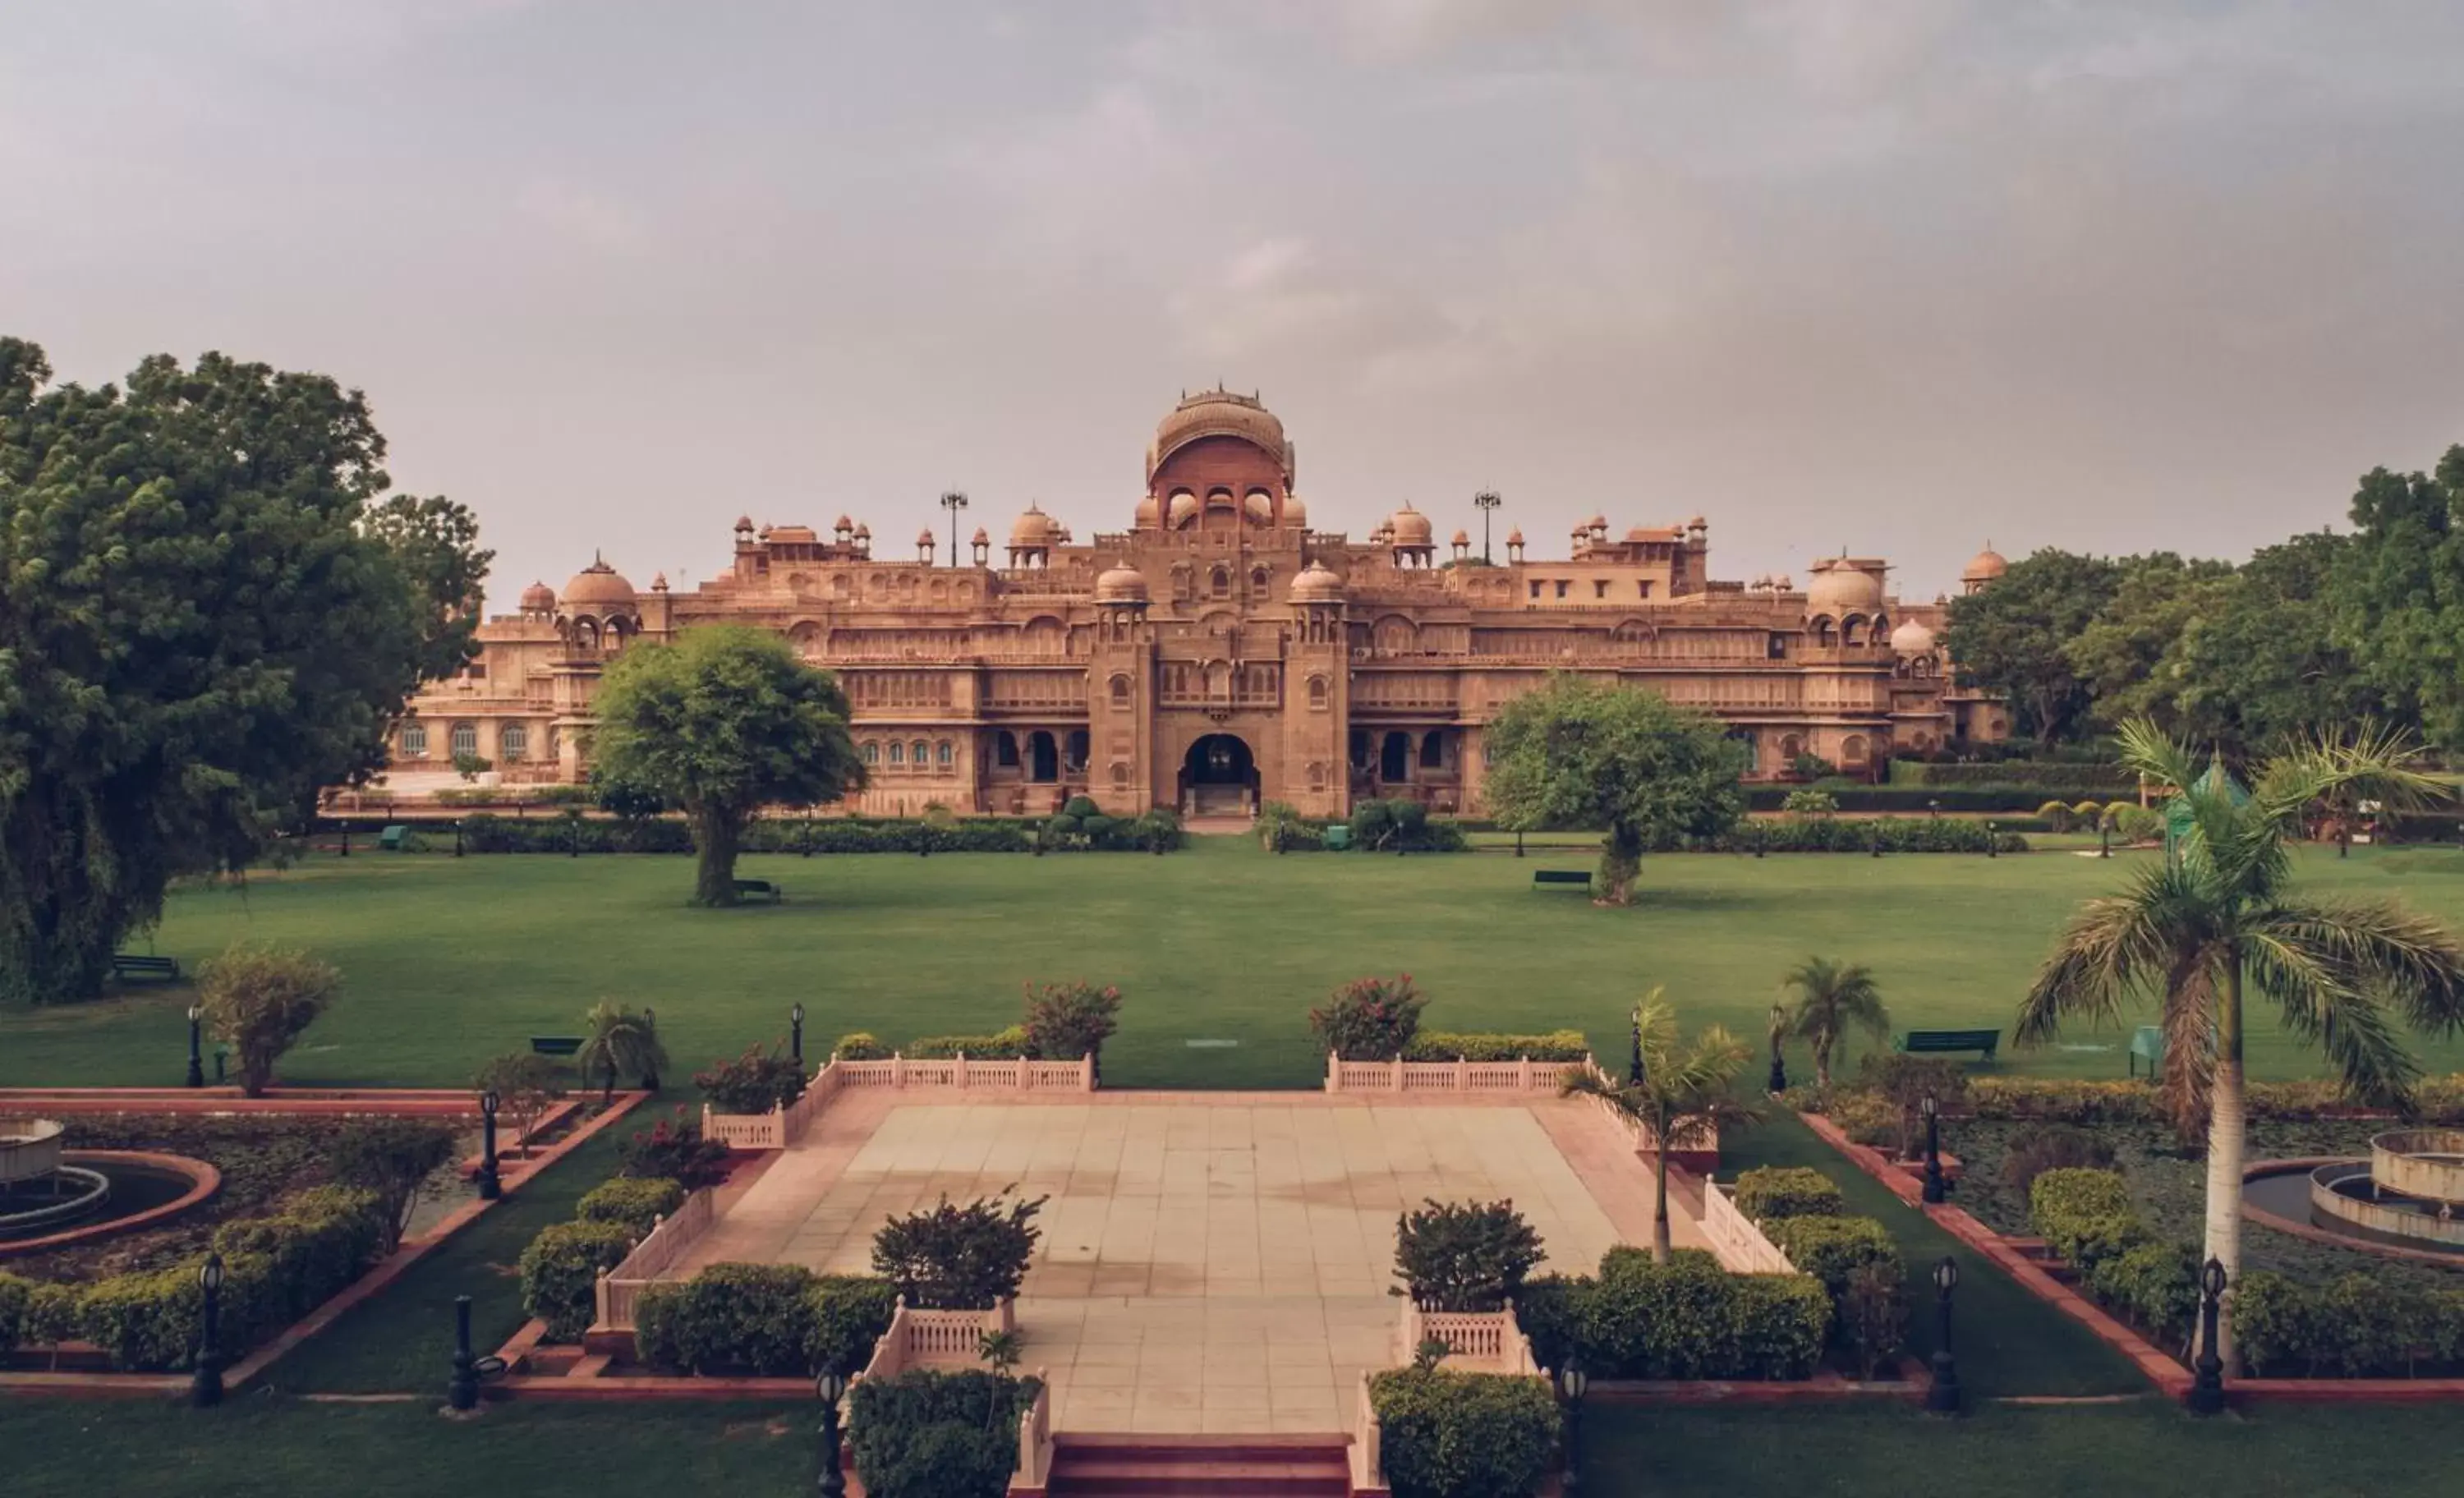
1480,1341
1736,1242
1368,1458
1447,1076
620,1288
918,1337
782,1127
1035,1440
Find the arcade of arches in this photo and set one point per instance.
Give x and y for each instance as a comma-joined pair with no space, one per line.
1218,652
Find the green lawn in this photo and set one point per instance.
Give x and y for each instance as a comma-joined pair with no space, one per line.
448,961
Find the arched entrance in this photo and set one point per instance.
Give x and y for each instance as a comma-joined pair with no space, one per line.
1219,778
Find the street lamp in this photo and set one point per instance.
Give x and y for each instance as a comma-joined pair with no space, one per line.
1487,500
1934,1185
954,501
1572,1382
2208,1387
462,1391
1943,1398
796,1034
491,1184
206,1389
1989,850
829,1386
2103,838
196,1057
1933,809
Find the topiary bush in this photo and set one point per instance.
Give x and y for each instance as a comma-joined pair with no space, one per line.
635,1203
672,1149
929,1434
2354,1326
959,1258
258,999
2085,1216
1777,1191
1688,1318
393,1158
769,1320
1834,1249
1457,1434
859,1045
2157,1285
1465,1256
561,1271
1370,1019
1069,1022
1007,1044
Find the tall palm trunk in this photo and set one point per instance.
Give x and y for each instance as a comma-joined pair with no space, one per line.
1661,1247
1822,1062
2225,1147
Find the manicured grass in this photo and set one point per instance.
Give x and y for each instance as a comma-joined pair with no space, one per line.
449,961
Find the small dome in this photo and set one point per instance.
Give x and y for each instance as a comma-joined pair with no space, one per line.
1258,508
1295,513
1597,522
1985,566
659,581
744,522
1409,528
1121,583
1463,537
1514,537
1184,508
539,598
1842,586
1912,638
863,531
1149,514
924,537
983,537
597,585
1317,583
1034,528
842,525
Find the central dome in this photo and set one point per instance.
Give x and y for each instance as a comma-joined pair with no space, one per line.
597,585
1220,413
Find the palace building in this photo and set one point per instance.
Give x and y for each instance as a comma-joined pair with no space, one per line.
1218,652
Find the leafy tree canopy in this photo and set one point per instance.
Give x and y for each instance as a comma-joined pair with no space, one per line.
2258,661
721,723
2400,593
1585,754
2122,656
2011,638
209,610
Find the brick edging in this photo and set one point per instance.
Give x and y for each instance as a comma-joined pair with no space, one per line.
204,1178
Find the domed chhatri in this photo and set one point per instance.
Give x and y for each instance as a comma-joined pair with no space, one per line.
1984,567
1845,585
1035,528
1220,413
1410,528
539,598
1317,583
1121,583
597,585
1912,638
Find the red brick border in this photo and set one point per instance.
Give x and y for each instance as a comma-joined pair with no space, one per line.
204,1180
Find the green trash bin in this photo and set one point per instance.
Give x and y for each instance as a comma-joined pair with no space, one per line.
1338,838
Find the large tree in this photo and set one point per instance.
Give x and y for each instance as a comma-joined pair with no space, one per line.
2011,637
2258,661
2400,593
1583,753
720,723
2219,916
208,610
2120,657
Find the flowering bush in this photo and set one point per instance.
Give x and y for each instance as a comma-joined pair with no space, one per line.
1370,1019
753,1083
1069,1022
674,1149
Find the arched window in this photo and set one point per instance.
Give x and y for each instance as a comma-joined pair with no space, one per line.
1433,751
465,739
1220,581
1823,633
1317,774
897,751
1852,749
922,753
1120,692
414,741
513,741
871,752
941,755
1851,631
1075,750
1257,580
1317,693
1120,776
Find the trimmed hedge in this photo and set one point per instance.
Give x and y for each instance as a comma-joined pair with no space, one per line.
2030,1099
1482,1046
1833,1248
489,832
2034,775
1967,801
15,1295
769,1320
929,1434
1859,835
635,1201
1688,1318
2085,1215
2356,1326
561,1271
1772,1192
1459,1435
1009,1044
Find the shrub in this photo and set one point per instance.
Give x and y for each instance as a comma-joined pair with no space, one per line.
672,1149
15,1295
1281,829
2085,1216
1905,1082
753,1083
1007,1044
636,1202
561,1271
1688,1318
859,1045
1069,1022
1458,1435
2035,1099
2055,1147
2156,1284
1465,1256
1865,1118
1834,1249
1810,803
1777,1191
258,999
525,1084
393,1159
959,1258
1456,1046
850,1313
1873,1315
929,1434
770,1320
1370,1019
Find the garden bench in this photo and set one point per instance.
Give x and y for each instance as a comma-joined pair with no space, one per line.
391,838
1577,877
2147,1045
129,967
760,890
1925,1042
555,1045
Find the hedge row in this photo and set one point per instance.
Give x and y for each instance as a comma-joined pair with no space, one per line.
1444,1434
275,1269
2440,1101
560,1267
766,1320
2016,775
2087,1217
1777,1191
485,833
1688,1318
1911,800
1860,835
2356,1326
1800,1211
1454,1046
929,1434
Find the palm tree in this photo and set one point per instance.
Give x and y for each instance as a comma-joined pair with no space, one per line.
619,1042
1833,999
1780,1024
1684,1094
2217,917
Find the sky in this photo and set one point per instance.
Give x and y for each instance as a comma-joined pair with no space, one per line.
1893,276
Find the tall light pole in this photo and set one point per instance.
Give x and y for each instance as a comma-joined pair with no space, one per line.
954,501
1487,500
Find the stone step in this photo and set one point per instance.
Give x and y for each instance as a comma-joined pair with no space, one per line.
1191,1467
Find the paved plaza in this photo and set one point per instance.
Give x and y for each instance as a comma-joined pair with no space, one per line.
1209,1262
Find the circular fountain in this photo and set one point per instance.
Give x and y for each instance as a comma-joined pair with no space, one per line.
2409,1194
50,1195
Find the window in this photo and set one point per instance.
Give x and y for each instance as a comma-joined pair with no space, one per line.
1120,776
476,670
514,742
922,755
1075,750
1562,586
897,751
941,754
871,752
1005,750
1433,751
1220,582
1536,589
465,739
1776,648
1642,588
1600,588
414,741
1120,692
1257,580
1317,693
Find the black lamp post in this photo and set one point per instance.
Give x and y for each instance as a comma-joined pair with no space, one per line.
1934,1185
1486,500
796,1034
457,837
1572,1382
491,1184
206,1389
2103,838
954,502
462,1391
1933,809
829,1386
1943,1398
1989,850
196,1057
1633,1058
2208,1387
1878,839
